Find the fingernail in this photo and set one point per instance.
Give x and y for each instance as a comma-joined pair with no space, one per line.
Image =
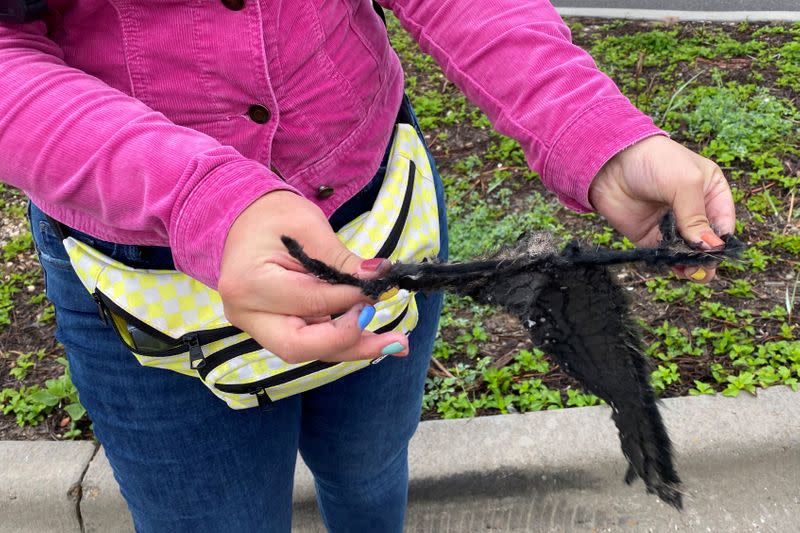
366,316
699,274
391,293
392,349
711,239
374,265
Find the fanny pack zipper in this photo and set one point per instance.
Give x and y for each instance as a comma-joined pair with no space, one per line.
190,342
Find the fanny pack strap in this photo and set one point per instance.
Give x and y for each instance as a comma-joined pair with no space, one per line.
171,321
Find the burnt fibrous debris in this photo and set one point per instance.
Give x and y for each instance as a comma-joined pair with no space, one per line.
571,308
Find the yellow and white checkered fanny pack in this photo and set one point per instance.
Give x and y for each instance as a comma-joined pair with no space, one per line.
170,320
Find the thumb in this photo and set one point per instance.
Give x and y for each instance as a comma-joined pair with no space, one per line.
336,254
690,215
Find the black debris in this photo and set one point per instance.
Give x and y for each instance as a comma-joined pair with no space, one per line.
572,309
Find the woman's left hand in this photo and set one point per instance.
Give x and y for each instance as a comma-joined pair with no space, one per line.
636,187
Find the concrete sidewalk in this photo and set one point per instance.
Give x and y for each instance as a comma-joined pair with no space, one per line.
546,471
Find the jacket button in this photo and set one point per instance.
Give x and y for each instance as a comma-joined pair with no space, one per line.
258,114
324,191
233,5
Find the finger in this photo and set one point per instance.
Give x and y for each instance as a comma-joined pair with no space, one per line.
287,262
295,341
690,214
701,274
653,236
316,319
279,291
708,202
373,268
301,295
680,271
720,208
333,253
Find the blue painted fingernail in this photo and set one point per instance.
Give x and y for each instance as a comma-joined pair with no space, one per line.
366,316
392,349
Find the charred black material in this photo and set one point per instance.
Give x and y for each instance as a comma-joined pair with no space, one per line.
572,308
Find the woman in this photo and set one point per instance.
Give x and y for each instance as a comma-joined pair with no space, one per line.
194,134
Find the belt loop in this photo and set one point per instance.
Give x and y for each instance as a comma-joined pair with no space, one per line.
58,228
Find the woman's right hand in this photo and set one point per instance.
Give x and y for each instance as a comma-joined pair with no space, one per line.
267,294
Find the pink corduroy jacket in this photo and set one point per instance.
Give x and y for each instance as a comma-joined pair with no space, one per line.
156,122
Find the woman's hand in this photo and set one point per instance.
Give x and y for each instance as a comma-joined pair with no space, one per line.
268,294
640,184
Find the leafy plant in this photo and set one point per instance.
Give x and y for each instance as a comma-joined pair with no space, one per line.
7,290
741,288
578,399
31,404
664,375
701,388
788,243
20,243
24,363
745,381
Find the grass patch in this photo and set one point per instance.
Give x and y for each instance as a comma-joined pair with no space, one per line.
707,84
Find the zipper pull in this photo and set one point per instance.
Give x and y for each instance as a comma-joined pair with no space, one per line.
196,358
101,310
264,401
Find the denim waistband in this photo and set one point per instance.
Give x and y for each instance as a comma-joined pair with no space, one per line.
154,257
160,257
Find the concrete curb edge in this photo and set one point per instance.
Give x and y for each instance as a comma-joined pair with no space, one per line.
526,472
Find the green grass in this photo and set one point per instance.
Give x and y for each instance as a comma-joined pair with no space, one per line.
722,338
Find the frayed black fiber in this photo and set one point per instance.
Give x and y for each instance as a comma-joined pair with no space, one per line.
572,309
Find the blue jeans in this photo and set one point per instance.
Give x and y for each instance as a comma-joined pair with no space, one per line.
186,462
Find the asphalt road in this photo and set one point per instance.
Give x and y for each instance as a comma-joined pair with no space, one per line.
686,5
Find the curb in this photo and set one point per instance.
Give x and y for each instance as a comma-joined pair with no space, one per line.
40,485
102,508
544,471
678,15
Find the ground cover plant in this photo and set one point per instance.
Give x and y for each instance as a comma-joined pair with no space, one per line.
729,91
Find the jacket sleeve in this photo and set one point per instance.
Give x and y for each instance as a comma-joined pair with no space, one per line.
515,60
72,142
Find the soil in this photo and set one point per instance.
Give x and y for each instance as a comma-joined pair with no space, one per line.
26,332
29,334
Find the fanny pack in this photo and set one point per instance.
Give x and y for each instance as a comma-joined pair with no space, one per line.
172,321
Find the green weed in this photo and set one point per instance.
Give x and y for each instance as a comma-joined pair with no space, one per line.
25,362
30,405
745,123
788,243
17,245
